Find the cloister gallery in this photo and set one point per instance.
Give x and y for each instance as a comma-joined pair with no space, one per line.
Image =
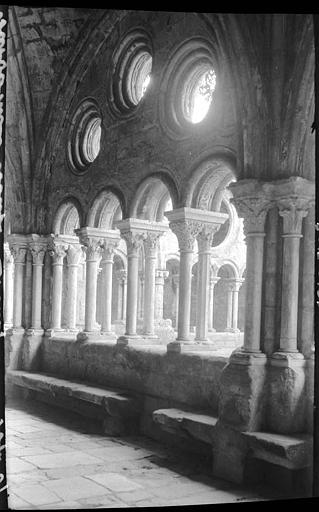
159,228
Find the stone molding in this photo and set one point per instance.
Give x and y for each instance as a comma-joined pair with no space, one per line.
94,240
137,232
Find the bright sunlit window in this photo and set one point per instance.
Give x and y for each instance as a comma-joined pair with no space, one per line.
200,96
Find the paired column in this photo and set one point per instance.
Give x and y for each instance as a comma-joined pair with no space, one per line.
18,250
38,247
205,239
150,250
58,252
252,204
232,305
92,241
292,210
8,287
109,246
73,256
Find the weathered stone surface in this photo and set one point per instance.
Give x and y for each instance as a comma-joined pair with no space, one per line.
195,424
287,451
115,405
242,396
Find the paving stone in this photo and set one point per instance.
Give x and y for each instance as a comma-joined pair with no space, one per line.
75,488
64,505
16,465
36,494
15,502
57,460
115,482
135,496
118,453
98,501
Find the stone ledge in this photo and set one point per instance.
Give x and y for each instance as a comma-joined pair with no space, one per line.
287,451
198,425
121,409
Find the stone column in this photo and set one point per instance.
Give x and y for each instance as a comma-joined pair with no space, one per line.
212,282
38,248
254,210
204,239
57,252
19,254
293,211
107,273
134,241
8,287
73,256
121,295
124,295
186,232
229,309
140,294
92,240
151,243
176,282
160,276
288,387
235,292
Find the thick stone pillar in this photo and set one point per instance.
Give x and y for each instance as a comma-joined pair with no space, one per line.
205,239
73,256
160,276
212,282
109,245
151,243
8,287
57,252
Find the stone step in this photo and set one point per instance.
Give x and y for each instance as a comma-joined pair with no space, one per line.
119,411
198,425
291,452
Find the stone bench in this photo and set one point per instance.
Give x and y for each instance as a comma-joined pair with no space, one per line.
118,411
198,425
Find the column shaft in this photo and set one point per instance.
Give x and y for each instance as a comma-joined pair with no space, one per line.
131,300
57,294
8,288
203,296
229,311
18,295
107,266
234,324
184,302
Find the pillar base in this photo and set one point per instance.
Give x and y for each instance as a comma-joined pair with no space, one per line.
130,339
287,393
179,346
243,390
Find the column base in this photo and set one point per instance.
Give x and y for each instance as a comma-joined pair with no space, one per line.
89,336
130,339
34,332
15,331
243,394
287,392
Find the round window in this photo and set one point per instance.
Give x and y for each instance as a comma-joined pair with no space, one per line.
85,136
188,87
130,74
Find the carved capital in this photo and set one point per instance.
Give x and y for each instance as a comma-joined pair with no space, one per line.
58,251
161,274
213,280
151,244
134,240
8,256
38,252
18,253
293,210
254,211
73,254
92,247
186,232
109,246
206,236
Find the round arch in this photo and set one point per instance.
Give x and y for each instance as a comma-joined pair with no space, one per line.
67,218
152,195
230,268
105,209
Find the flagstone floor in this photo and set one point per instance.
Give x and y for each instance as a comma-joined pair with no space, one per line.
54,462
